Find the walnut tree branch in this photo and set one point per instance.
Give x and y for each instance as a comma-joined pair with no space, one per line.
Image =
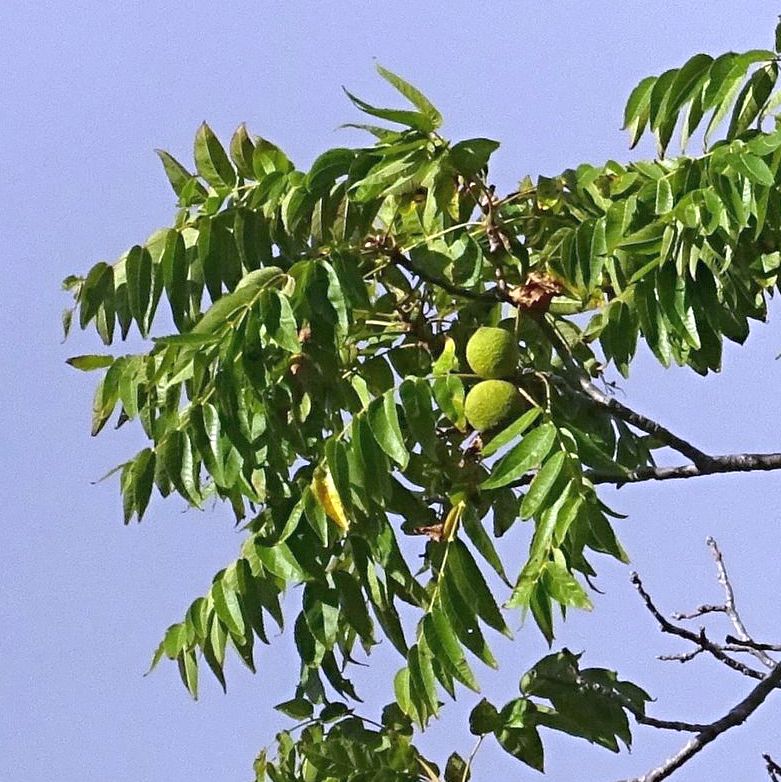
735,462
729,607
773,769
699,639
768,680
747,642
734,717
490,296
579,382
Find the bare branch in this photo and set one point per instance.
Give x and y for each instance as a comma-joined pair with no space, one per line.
730,639
698,639
681,657
773,769
729,605
652,722
736,462
739,713
661,433
736,716
707,608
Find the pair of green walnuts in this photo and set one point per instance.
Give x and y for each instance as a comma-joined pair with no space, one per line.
492,354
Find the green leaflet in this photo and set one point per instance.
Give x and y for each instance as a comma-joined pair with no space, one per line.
211,160
523,457
418,416
465,576
241,151
515,429
353,605
449,395
90,363
277,316
752,99
246,292
412,119
542,484
444,645
413,95
383,421
188,671
181,179
462,619
563,588
470,156
637,109
138,271
226,601
481,540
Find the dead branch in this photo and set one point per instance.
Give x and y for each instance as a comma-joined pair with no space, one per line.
734,717
738,714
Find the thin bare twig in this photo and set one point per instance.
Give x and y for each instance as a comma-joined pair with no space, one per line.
706,608
773,769
681,657
471,758
729,605
730,639
734,717
700,639
768,681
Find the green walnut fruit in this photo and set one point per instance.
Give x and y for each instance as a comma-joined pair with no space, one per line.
492,352
492,403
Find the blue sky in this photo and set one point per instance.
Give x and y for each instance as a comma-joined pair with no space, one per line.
89,89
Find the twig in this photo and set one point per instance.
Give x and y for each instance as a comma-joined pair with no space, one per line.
491,295
707,608
729,605
470,759
736,462
773,769
699,639
611,404
661,433
639,714
730,639
652,722
681,657
736,716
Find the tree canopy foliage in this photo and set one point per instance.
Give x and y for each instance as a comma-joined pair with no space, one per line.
317,375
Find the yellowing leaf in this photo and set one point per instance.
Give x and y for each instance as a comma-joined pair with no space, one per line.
452,519
324,489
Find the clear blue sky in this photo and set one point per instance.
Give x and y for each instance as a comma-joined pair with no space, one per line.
88,90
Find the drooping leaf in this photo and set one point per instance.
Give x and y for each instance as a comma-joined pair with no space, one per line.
462,571
472,155
383,421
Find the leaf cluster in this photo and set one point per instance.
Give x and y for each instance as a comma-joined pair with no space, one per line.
315,380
